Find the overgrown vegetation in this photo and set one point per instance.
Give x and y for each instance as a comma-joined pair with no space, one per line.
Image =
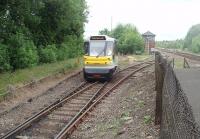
190,43
40,31
21,76
147,119
177,44
129,40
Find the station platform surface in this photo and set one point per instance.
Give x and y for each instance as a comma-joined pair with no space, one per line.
190,82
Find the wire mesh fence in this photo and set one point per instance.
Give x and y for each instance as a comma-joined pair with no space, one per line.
173,112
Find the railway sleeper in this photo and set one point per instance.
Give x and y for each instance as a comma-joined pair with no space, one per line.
79,101
83,98
51,125
65,113
70,109
32,137
86,95
41,132
59,117
73,104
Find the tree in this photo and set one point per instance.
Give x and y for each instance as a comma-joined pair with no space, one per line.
105,31
22,52
129,40
175,44
4,58
27,27
192,33
61,18
196,44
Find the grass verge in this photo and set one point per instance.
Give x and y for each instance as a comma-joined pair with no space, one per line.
141,57
130,59
22,76
178,63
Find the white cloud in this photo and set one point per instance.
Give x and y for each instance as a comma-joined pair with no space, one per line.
168,19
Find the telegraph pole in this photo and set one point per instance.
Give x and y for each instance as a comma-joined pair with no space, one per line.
111,20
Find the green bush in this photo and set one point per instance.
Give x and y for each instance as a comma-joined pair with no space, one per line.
22,51
62,51
48,54
4,58
74,46
26,57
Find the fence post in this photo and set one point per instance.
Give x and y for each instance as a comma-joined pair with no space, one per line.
184,62
159,74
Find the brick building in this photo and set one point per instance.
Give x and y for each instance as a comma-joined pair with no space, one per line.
149,39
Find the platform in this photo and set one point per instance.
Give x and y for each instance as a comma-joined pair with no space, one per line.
190,83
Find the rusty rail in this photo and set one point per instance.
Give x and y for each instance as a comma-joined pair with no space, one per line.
70,127
183,54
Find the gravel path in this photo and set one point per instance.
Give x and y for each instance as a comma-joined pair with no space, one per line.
126,113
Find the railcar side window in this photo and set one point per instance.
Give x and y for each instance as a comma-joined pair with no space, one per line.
109,50
86,48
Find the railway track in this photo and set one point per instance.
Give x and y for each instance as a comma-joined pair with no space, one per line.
182,54
61,118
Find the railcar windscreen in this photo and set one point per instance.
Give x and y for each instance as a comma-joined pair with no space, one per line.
97,48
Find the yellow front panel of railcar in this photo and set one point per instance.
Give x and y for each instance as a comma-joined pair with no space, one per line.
93,60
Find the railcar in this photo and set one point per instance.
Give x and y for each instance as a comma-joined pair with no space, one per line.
100,60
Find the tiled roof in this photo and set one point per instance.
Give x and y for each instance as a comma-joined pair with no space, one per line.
148,33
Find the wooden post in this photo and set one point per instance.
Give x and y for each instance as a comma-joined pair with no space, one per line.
184,62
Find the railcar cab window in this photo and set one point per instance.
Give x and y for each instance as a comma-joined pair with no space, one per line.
97,48
101,48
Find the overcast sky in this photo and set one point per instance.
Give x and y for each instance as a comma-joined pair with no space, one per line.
168,19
